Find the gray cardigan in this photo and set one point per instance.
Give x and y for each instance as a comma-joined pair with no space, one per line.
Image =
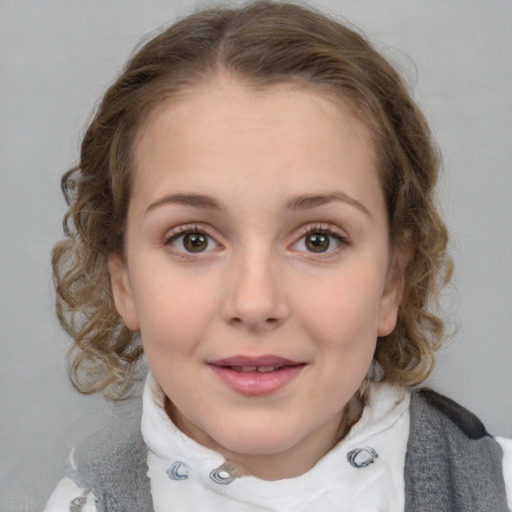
452,464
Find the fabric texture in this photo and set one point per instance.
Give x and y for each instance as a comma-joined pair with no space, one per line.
332,484
117,477
452,464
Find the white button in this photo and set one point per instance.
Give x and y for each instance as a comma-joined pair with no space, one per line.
221,475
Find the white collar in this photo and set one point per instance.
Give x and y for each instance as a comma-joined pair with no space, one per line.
383,427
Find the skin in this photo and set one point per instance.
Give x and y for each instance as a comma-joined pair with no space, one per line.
257,288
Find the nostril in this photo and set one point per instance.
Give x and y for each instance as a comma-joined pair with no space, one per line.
270,322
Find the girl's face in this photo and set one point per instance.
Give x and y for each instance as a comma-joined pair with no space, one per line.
258,267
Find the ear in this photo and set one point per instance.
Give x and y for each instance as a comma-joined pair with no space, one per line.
122,291
392,295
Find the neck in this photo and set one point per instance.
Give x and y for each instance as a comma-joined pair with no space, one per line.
277,466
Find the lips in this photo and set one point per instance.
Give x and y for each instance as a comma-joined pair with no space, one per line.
256,375
245,361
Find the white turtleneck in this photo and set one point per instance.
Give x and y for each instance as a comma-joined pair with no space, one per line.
384,428
183,473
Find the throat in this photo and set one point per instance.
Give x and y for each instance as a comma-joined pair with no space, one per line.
290,463
352,413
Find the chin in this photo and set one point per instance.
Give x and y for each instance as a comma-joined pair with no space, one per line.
257,441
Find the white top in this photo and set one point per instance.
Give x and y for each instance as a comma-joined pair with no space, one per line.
180,470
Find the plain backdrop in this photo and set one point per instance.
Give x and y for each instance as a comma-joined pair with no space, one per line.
56,59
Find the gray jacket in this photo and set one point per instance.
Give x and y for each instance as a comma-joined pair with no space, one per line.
452,464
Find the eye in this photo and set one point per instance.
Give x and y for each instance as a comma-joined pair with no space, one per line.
319,241
191,242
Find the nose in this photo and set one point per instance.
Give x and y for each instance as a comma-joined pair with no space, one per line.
256,298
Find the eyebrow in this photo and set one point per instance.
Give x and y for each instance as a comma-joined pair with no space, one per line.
194,200
305,202
296,203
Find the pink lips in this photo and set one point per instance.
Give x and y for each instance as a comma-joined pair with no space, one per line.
256,375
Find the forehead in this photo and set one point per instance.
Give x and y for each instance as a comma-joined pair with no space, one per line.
288,136
220,96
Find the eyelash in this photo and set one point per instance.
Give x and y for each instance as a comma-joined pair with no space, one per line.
323,229
182,231
318,229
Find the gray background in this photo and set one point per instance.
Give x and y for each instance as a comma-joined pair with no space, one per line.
57,57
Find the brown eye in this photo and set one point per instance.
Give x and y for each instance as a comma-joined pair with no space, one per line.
195,242
317,242
192,242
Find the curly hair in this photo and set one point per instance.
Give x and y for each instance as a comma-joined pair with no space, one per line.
262,43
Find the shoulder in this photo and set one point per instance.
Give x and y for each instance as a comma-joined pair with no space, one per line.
108,448
114,465
69,496
451,458
425,401
71,493
102,470
506,446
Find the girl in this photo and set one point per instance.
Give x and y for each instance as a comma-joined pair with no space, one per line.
254,209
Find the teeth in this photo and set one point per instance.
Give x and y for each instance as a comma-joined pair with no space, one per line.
265,369
260,369
245,369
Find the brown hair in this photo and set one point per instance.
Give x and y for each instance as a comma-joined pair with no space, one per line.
262,43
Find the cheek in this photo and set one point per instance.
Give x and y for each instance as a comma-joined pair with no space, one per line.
174,313
343,314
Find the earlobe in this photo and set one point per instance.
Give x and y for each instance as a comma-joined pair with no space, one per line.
122,291
391,296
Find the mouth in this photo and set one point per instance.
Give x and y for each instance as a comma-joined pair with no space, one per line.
256,376
260,369
262,364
